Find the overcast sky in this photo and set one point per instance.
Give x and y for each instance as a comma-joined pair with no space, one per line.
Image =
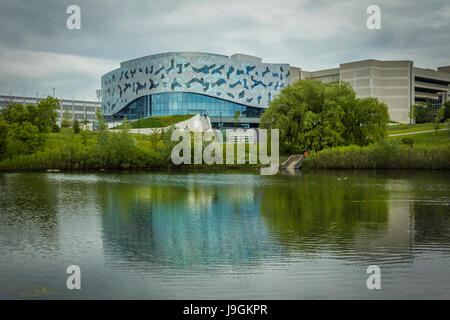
38,52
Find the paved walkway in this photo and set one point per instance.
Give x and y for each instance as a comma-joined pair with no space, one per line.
403,134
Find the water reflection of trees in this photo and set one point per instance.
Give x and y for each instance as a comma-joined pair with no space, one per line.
187,226
432,224
320,211
427,195
350,215
430,209
29,213
379,215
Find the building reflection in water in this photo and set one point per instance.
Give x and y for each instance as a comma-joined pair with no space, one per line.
215,224
356,216
186,226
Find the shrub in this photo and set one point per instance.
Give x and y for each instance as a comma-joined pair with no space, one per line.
75,152
66,119
76,126
29,136
3,138
55,128
408,141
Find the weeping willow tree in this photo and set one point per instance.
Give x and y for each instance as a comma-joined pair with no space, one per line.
312,116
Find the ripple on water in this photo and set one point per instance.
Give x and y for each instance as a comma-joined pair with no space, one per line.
216,235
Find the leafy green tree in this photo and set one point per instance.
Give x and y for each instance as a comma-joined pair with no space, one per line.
66,119
439,118
446,111
27,125
370,122
117,149
312,115
55,128
3,138
440,115
425,113
102,127
421,114
76,126
14,113
101,122
124,140
43,115
27,136
84,137
46,114
412,114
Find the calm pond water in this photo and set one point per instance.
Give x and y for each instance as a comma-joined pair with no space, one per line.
233,235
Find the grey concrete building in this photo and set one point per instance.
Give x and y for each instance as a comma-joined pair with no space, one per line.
78,109
397,83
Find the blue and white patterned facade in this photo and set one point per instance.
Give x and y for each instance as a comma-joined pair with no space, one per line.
246,82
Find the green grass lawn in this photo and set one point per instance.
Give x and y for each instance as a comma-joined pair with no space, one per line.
405,128
157,122
427,138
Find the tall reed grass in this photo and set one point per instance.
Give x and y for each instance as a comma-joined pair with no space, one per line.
388,154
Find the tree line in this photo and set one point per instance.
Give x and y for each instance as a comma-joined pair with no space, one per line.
430,113
31,139
23,128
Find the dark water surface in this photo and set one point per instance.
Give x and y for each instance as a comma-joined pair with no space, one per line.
225,235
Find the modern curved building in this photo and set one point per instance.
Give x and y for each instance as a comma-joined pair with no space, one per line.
180,83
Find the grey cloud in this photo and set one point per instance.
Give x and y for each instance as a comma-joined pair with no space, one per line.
305,33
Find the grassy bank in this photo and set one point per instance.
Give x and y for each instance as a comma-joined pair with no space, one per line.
430,151
434,138
121,150
107,150
156,122
406,128
91,151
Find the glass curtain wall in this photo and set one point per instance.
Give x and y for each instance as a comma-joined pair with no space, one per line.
182,103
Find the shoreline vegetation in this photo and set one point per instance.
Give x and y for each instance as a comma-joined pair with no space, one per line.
338,130
430,150
385,155
108,151
66,151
